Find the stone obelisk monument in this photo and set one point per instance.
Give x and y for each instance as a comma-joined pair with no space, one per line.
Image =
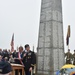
50,56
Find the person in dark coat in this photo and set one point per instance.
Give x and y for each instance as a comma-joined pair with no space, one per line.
18,58
5,67
6,55
14,54
29,60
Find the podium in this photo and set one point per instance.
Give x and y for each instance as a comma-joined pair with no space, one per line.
17,67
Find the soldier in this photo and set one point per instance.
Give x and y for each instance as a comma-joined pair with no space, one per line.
68,56
29,60
74,58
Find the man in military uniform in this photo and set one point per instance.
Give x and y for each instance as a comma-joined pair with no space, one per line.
29,60
68,56
74,58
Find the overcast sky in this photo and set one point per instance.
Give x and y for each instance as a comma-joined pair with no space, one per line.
22,17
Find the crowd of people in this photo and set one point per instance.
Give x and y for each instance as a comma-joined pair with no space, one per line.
24,57
70,58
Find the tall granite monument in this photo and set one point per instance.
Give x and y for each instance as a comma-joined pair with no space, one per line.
50,56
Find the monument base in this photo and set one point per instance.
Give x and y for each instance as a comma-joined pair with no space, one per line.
50,73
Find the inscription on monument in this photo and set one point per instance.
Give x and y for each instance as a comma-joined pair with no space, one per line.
50,42
46,64
40,63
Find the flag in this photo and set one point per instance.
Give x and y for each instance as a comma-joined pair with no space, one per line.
68,36
67,40
12,43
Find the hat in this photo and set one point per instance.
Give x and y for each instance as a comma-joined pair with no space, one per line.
5,67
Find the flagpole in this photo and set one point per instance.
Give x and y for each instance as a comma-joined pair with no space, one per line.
68,46
33,48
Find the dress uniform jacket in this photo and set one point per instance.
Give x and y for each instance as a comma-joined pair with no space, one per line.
29,60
